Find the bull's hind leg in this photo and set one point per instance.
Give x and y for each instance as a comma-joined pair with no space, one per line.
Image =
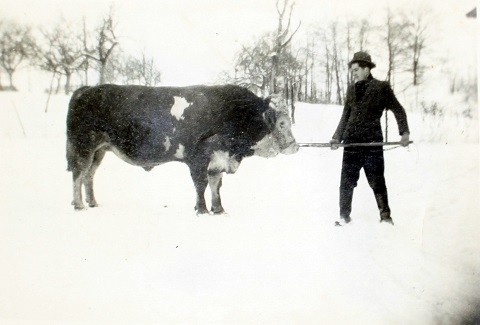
79,165
199,177
215,182
88,177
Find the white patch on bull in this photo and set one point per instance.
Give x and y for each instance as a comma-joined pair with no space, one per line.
267,147
222,161
167,144
179,107
179,154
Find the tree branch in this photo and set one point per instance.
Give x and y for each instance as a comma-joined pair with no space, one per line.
291,36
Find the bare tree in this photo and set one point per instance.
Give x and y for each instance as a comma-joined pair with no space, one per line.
313,89
324,62
417,35
16,44
87,50
127,70
61,52
253,65
328,72
364,29
349,46
141,71
149,72
282,38
395,39
292,69
308,64
337,64
105,42
307,59
333,63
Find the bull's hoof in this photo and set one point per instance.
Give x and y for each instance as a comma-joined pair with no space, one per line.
92,203
201,211
78,205
218,211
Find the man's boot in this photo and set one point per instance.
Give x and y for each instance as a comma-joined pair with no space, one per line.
382,203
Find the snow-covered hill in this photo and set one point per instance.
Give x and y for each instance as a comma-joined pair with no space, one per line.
144,257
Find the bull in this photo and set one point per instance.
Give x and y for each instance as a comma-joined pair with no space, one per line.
209,128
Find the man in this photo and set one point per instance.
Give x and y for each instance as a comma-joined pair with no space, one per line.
360,123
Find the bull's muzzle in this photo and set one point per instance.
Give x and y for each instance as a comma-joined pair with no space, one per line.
290,148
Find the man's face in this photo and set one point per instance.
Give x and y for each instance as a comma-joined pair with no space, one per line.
359,73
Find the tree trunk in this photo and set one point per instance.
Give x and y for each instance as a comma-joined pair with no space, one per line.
292,102
68,77
87,66
286,88
327,79
10,79
415,67
339,89
312,96
102,72
298,88
306,74
57,91
273,76
390,64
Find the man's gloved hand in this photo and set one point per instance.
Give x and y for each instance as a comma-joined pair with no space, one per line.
405,139
334,144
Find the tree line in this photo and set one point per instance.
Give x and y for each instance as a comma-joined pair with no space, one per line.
305,63
66,50
314,66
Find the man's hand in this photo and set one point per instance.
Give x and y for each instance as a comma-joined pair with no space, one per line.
334,144
404,141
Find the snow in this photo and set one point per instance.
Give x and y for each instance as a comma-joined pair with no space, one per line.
144,257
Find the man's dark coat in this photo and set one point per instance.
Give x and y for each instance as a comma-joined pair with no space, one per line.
363,109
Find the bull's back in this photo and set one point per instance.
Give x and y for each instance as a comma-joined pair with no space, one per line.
140,122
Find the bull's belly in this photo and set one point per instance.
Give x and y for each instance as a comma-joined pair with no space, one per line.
146,157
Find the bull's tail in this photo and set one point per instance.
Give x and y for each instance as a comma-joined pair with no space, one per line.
70,156
70,151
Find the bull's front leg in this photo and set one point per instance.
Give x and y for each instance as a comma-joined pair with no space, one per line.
215,182
199,177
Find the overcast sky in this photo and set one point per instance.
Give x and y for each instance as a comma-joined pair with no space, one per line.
193,40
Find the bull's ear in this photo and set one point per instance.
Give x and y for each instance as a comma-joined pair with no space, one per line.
270,118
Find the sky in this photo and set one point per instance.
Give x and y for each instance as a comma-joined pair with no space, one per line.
193,41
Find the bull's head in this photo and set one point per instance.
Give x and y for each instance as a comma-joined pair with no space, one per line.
280,138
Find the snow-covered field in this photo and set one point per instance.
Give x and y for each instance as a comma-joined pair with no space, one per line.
144,257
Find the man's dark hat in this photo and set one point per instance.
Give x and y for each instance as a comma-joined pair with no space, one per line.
362,57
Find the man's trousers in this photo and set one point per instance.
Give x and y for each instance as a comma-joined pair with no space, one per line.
372,161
